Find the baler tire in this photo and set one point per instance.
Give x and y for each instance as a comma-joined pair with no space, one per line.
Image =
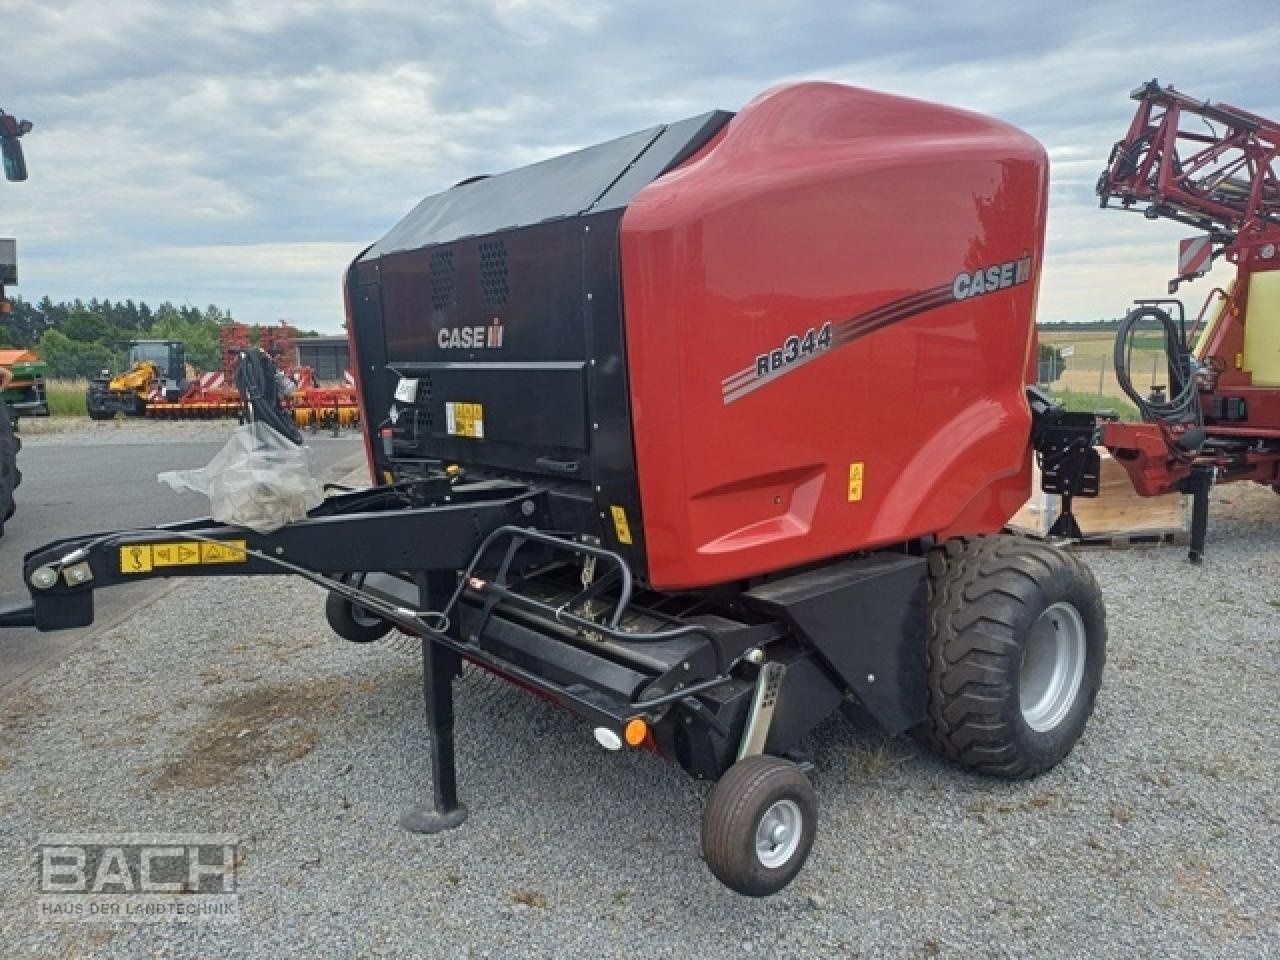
751,790
987,597
10,475
17,481
350,624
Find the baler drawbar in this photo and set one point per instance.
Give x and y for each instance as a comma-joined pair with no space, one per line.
700,435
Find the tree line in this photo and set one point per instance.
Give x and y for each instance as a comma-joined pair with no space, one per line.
80,339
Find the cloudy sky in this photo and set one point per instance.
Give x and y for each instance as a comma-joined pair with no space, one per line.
240,153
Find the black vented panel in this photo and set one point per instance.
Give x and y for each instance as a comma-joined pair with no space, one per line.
528,376
494,285
441,279
424,420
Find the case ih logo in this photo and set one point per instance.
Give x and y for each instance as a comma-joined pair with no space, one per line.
800,349
471,338
991,279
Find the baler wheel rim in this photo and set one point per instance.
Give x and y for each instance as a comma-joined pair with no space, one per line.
778,833
364,618
1052,667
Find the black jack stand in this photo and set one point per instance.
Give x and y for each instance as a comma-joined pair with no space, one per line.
1066,525
1198,484
440,666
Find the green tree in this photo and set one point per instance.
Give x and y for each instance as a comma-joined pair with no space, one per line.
68,358
1051,363
22,326
89,333
87,325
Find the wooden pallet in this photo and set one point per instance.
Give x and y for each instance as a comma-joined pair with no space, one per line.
1134,540
1131,540
1117,518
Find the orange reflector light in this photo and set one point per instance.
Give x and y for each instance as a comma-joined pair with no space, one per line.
635,732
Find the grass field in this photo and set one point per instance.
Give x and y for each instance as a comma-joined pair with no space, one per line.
1094,403
1089,378
66,397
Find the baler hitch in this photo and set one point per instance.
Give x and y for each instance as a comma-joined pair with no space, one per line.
460,556
382,530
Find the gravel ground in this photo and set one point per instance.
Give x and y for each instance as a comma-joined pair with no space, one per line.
234,710
49,431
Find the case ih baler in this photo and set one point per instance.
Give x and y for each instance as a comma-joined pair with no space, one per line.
703,433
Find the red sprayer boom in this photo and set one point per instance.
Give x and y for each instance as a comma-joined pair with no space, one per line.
1214,167
1208,165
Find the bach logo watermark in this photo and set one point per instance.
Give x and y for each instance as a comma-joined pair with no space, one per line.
138,877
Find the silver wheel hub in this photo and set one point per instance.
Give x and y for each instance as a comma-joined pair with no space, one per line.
363,617
1052,667
778,834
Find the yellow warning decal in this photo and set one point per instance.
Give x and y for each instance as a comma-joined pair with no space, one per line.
855,481
175,554
145,557
620,525
227,551
464,420
135,558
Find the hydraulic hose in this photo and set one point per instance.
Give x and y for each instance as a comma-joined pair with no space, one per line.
1182,409
260,392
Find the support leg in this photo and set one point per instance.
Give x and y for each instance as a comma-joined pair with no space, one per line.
1066,526
1200,483
440,666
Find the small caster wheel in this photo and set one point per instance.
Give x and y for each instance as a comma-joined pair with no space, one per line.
758,827
352,622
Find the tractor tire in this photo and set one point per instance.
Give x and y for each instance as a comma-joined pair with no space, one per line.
353,623
759,824
135,406
97,401
1017,643
10,475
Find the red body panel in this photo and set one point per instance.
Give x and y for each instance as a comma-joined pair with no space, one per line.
822,203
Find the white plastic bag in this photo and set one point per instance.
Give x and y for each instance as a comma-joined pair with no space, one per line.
259,480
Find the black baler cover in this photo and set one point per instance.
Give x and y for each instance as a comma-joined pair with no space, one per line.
602,177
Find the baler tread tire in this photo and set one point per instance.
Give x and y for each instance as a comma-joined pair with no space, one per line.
985,593
10,475
729,822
